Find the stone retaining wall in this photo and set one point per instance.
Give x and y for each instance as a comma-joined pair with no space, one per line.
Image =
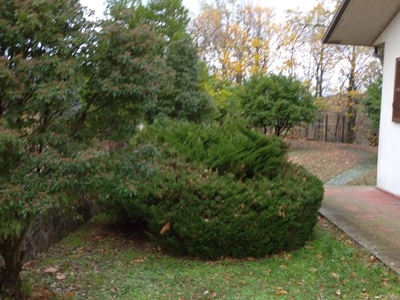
50,229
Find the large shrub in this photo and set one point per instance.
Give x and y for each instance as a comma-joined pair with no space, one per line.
220,190
197,212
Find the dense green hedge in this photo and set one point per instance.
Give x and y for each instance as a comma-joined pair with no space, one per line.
200,213
221,191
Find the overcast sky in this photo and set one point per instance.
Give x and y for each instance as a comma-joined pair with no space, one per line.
193,5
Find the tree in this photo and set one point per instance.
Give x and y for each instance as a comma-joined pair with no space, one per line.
292,43
372,105
181,97
357,68
170,18
235,39
41,47
222,94
276,102
322,56
125,72
65,88
185,100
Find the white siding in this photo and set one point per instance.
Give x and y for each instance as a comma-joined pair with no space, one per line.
389,132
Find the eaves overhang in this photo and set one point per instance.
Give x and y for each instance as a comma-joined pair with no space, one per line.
361,22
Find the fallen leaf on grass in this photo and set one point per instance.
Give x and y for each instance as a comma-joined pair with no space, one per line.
281,293
137,260
69,295
250,258
60,276
27,264
51,270
334,275
98,238
338,292
42,294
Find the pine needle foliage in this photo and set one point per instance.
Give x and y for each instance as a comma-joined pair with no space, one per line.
226,148
200,213
221,190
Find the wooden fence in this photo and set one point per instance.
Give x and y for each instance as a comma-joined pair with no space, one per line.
331,127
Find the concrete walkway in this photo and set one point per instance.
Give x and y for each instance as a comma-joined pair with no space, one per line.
369,216
351,174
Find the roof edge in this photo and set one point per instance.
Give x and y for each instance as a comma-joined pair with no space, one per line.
335,21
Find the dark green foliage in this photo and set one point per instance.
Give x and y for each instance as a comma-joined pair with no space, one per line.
196,212
181,96
372,102
184,100
42,45
125,72
220,190
118,182
170,17
33,185
276,102
227,148
11,152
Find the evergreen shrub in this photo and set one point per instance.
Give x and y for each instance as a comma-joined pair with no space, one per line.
197,212
226,148
221,190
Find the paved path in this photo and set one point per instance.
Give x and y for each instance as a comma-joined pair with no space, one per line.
367,164
351,175
369,216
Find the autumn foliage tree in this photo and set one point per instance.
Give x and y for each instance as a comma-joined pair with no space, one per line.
235,39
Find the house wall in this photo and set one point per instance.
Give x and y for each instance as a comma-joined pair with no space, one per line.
389,132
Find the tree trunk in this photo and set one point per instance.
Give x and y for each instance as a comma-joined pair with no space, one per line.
13,254
351,122
351,111
12,286
10,279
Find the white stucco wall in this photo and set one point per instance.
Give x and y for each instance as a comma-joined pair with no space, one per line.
389,132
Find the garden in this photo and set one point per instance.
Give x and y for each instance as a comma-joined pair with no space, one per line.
193,199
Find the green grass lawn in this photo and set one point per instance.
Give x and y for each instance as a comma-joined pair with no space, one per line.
97,262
